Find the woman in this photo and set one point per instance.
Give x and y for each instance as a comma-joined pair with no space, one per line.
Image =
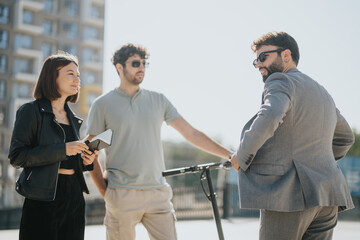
46,136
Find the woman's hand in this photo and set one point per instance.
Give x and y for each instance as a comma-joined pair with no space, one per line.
73,148
89,157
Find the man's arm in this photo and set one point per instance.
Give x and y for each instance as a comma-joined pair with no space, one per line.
97,174
343,137
277,96
199,139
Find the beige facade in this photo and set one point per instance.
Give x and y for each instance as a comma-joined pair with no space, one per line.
31,30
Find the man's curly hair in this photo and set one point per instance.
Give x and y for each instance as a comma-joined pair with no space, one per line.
126,51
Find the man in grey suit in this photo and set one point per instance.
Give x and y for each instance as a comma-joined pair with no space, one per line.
287,156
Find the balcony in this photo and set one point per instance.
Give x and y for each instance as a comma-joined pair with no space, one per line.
25,77
32,5
93,43
92,65
28,53
28,28
98,2
87,16
94,21
36,55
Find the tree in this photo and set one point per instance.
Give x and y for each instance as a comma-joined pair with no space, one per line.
355,149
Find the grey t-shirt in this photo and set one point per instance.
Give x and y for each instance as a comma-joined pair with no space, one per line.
135,159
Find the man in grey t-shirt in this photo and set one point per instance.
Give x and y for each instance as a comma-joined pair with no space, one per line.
132,186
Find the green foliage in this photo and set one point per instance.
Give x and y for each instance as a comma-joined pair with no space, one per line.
183,154
355,149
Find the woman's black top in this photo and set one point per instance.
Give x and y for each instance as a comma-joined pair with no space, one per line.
71,161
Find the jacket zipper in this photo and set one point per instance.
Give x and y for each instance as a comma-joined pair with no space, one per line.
59,162
28,178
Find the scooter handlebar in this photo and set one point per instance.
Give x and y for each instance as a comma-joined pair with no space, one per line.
195,168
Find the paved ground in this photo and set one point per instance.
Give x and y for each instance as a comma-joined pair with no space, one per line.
237,228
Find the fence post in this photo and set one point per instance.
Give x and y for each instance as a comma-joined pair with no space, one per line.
226,197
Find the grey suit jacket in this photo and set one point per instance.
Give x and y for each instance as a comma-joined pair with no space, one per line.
288,150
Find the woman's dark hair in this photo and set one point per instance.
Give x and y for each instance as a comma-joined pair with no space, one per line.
279,39
126,51
46,86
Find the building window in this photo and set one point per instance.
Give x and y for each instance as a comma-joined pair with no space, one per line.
46,49
23,41
70,49
2,115
3,64
2,89
71,30
28,17
4,14
90,55
21,90
22,65
48,5
47,27
88,77
3,39
95,11
90,33
73,7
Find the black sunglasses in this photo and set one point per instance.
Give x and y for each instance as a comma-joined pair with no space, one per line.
262,56
137,63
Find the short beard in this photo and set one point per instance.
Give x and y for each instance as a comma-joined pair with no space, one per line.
276,66
136,81
132,79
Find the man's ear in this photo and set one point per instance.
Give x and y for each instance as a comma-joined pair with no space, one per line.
286,55
119,68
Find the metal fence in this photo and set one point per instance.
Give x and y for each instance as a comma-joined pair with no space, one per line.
191,203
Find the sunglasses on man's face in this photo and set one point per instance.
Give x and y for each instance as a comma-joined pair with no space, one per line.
262,56
137,63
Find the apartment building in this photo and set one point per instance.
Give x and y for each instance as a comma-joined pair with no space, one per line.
30,31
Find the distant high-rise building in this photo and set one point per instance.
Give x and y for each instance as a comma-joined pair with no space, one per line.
30,31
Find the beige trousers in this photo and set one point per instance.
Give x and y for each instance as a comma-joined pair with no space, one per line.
125,208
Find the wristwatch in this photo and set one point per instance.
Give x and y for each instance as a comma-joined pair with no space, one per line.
230,155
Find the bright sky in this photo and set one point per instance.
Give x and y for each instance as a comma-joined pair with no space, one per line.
200,55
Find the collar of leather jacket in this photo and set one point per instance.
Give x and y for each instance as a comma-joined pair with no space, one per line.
45,106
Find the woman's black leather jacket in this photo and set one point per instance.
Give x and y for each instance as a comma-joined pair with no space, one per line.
38,140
